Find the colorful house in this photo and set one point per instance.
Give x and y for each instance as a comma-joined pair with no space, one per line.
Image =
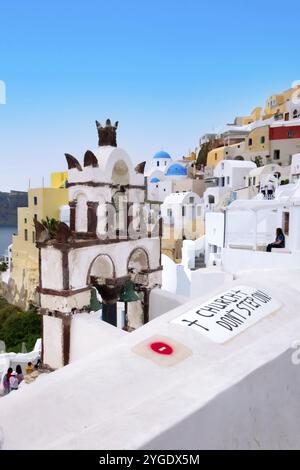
244,120
257,145
278,106
284,141
24,275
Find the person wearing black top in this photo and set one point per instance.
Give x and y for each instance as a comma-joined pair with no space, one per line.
279,242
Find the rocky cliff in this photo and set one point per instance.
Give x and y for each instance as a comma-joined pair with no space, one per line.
9,203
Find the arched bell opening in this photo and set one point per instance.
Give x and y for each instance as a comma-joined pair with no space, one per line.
120,173
120,205
137,309
101,276
138,264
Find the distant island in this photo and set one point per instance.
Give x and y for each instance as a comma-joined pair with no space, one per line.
9,203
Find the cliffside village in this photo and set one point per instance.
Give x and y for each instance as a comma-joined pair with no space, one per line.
157,278
177,223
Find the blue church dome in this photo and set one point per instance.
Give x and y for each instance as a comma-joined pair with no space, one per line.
161,154
176,170
154,180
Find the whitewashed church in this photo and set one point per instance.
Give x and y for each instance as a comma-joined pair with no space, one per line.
108,247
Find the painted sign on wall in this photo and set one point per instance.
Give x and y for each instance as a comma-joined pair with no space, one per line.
228,314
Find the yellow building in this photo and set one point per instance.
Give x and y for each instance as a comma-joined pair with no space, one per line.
215,156
257,144
244,120
24,277
59,179
277,105
191,156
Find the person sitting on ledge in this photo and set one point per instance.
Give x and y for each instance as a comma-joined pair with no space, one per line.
279,242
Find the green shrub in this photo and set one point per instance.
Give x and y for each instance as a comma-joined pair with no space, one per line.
3,267
17,327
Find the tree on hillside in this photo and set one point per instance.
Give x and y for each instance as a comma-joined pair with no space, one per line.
17,327
202,155
3,267
258,161
21,327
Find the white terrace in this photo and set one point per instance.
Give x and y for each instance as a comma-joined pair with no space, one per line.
250,225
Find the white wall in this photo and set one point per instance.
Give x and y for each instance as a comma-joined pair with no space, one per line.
160,163
66,304
64,214
238,260
295,167
159,191
240,227
161,302
89,334
169,274
214,229
205,280
188,254
294,229
239,178
235,175
287,147
53,338
187,283
81,223
249,416
217,192
52,276
175,278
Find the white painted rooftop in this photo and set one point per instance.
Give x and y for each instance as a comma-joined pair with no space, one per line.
292,122
179,198
236,164
265,169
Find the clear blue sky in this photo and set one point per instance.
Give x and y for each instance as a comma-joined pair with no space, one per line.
168,70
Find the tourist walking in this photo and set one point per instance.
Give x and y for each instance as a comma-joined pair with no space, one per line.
19,372
29,368
279,241
270,190
6,383
13,381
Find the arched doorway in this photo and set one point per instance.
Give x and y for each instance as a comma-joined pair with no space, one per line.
239,157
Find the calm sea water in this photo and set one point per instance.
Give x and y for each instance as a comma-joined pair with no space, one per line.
6,238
